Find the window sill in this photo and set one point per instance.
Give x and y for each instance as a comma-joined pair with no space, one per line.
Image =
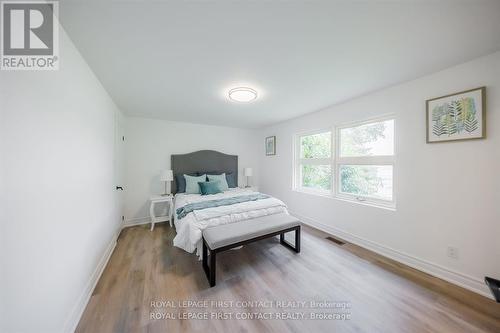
324,194
388,206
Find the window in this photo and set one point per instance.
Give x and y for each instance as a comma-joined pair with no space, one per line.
314,164
365,163
360,166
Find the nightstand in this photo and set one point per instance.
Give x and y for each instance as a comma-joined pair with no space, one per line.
156,199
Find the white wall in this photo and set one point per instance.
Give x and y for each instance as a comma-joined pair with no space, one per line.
58,211
150,142
448,194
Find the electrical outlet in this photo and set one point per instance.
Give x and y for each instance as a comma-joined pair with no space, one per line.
452,252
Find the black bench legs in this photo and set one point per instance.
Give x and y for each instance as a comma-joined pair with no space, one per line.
209,270
283,242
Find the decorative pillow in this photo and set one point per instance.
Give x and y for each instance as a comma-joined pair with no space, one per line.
192,186
211,187
231,180
180,182
230,177
221,178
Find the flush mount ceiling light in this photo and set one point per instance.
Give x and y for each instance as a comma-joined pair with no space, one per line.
242,94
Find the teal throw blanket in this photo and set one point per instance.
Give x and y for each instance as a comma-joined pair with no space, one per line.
183,211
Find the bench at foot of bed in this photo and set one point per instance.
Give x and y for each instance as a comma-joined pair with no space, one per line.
228,236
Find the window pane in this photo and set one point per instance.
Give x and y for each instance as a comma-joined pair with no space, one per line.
367,180
316,176
316,145
374,139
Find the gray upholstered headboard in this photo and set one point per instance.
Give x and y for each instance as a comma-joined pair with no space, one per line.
203,161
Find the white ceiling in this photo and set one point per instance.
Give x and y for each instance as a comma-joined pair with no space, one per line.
177,59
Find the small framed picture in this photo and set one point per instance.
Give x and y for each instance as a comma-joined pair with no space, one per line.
459,116
271,145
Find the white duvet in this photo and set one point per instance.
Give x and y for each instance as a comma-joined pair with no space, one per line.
189,229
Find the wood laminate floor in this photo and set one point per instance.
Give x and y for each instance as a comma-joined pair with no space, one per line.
384,296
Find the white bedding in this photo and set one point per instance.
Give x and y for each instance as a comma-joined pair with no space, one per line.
189,229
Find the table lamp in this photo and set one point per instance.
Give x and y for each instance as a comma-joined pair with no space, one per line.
167,176
248,173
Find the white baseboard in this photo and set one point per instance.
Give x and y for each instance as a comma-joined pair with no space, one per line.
84,298
136,221
463,280
81,304
142,220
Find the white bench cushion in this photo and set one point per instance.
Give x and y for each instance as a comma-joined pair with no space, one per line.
228,234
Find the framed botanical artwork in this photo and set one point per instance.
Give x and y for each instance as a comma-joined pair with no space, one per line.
271,145
459,116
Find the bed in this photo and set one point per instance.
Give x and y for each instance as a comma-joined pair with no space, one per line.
190,227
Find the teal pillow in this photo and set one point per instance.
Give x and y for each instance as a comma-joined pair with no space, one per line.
212,187
222,179
192,186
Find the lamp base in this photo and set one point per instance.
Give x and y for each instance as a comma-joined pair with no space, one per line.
167,189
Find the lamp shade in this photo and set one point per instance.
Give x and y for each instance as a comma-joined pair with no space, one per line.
166,176
247,172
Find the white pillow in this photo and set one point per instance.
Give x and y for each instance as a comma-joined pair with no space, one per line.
192,186
222,179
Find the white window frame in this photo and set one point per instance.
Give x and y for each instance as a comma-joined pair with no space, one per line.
298,161
365,160
336,162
